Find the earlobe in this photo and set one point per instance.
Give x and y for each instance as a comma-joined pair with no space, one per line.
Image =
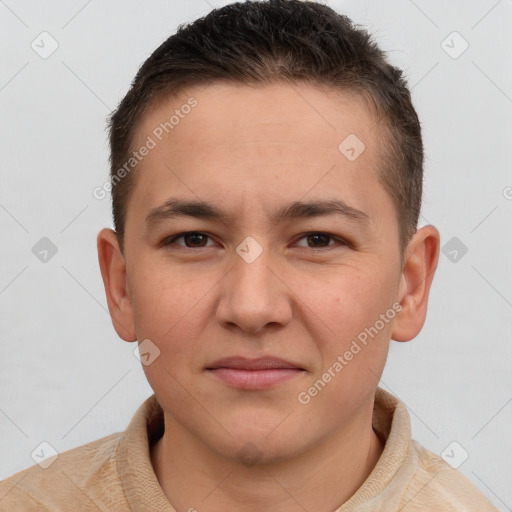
420,264
113,271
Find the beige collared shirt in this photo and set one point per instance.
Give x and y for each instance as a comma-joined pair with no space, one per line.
115,473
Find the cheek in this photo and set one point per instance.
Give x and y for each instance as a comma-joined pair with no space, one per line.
350,300
356,309
172,323
169,310
353,350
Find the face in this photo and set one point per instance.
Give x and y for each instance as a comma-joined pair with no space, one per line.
259,273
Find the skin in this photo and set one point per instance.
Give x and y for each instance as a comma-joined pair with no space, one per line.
251,150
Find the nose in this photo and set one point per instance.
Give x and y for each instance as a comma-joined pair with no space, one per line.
254,296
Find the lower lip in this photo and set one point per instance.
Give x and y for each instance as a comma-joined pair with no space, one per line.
255,379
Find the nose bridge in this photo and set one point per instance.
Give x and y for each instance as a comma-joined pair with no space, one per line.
252,279
252,269
252,296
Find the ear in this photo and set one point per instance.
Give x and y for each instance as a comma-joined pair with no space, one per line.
113,272
420,263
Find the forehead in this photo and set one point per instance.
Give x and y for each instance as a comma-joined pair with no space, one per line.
258,113
239,144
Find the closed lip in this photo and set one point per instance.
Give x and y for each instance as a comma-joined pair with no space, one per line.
261,363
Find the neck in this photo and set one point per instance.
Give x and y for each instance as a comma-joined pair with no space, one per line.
194,477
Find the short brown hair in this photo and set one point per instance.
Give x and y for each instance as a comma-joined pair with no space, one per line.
266,42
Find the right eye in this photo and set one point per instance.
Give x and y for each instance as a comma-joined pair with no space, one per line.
192,239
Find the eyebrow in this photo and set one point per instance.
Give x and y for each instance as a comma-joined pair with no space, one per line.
174,208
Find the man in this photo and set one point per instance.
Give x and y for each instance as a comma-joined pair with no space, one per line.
266,179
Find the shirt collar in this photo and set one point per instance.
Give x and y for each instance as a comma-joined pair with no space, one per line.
385,485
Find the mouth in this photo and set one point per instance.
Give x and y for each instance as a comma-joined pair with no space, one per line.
254,374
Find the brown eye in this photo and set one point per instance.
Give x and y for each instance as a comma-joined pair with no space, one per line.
195,239
192,239
320,240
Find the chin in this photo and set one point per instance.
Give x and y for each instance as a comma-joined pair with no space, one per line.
253,447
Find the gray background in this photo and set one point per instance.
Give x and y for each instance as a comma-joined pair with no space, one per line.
65,376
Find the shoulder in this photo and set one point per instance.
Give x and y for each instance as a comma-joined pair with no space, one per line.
437,486
70,482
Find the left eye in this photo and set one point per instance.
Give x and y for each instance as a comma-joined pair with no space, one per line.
320,238
196,239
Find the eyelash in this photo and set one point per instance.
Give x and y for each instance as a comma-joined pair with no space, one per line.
340,242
